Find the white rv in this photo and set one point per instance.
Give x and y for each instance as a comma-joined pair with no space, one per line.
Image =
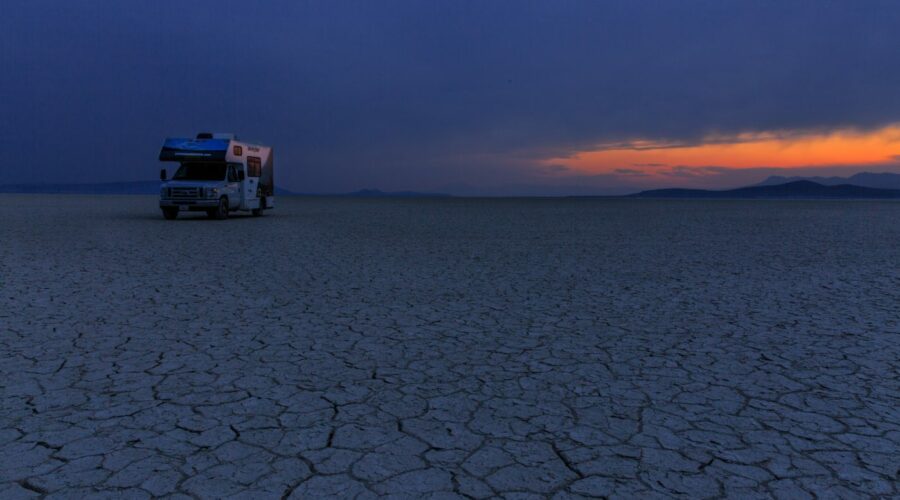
217,174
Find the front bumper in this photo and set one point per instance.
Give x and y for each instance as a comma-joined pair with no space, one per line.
189,204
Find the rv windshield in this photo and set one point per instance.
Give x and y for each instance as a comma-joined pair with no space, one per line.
200,172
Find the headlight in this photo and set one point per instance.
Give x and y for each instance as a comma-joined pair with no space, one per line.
212,193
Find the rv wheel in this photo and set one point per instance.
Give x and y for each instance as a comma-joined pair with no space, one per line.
220,212
257,212
170,213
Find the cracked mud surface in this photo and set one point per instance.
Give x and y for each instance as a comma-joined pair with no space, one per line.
460,348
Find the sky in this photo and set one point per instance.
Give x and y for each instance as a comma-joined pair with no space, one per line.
464,97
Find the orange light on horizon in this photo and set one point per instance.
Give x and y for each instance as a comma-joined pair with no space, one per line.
743,151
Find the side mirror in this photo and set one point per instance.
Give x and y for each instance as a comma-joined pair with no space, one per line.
240,175
162,174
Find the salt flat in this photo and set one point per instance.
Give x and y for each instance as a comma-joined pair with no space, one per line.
349,347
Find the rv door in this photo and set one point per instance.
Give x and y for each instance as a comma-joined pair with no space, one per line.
250,187
253,173
234,188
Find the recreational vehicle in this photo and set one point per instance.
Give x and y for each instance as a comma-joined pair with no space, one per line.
216,174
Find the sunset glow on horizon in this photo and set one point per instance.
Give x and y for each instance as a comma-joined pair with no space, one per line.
742,151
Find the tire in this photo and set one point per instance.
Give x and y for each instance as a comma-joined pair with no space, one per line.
220,212
258,212
170,213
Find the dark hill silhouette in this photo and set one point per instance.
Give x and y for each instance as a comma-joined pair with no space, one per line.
375,193
790,190
881,180
152,187
134,187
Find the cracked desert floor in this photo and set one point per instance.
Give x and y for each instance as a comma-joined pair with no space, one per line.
452,348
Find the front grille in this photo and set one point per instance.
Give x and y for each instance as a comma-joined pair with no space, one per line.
181,193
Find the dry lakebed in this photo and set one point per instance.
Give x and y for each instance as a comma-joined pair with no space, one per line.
450,348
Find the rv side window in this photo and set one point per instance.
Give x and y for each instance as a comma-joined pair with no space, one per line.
253,166
232,174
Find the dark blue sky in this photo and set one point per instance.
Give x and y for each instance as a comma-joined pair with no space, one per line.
469,97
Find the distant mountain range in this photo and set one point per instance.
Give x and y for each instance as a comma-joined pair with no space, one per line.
132,187
789,190
861,185
375,193
135,187
152,188
882,180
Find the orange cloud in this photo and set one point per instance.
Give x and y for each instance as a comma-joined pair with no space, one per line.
742,151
